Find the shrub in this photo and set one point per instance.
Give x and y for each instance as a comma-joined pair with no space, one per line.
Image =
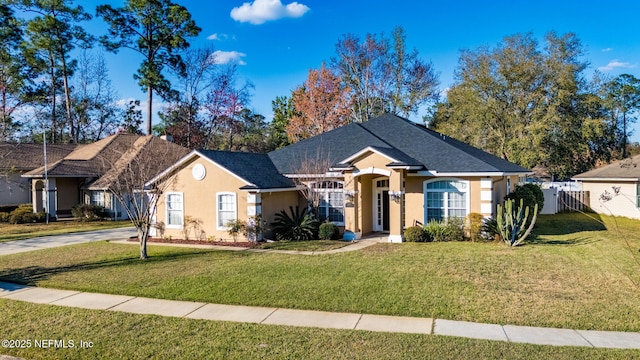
434,231
450,229
297,227
475,226
87,212
234,227
454,229
415,234
490,229
530,194
24,214
328,231
4,217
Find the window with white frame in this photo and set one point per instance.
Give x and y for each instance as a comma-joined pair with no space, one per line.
331,204
226,209
175,209
97,198
446,199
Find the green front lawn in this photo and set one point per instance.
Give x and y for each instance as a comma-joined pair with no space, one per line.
117,335
577,274
9,232
311,245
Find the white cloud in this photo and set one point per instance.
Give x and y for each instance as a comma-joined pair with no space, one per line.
261,11
216,36
615,64
606,49
226,57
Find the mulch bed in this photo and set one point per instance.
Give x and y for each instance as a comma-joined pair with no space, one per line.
194,242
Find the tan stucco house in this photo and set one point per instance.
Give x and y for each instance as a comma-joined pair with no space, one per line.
615,188
85,175
380,176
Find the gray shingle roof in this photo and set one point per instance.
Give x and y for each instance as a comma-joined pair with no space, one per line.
398,138
624,169
26,157
256,169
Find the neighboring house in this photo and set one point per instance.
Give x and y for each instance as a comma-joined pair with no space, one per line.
85,175
614,189
383,175
17,159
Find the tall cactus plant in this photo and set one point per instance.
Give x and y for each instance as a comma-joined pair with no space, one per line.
512,222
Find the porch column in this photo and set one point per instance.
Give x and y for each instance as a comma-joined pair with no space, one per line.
50,196
396,199
351,204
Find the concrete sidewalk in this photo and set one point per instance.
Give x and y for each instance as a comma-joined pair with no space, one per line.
45,242
321,319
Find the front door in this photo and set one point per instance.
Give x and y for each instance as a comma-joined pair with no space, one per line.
381,205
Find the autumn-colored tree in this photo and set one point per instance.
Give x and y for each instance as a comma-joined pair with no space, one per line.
322,103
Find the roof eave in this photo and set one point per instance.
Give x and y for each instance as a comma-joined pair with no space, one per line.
603,179
435,173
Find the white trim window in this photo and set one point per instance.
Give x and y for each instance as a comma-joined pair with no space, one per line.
445,199
174,209
331,204
226,209
97,198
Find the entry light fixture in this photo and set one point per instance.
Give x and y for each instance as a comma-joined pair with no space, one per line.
350,194
396,195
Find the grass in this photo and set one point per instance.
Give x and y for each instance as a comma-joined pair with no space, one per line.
129,336
9,232
313,245
578,274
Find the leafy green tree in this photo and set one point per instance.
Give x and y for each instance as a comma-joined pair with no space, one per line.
383,76
527,105
54,33
283,111
157,29
623,100
13,75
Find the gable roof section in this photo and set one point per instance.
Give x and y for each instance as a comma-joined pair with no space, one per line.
410,144
155,153
624,170
255,169
90,160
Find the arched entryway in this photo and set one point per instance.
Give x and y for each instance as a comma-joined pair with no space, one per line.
37,196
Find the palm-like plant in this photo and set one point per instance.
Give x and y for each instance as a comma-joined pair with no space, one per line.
298,226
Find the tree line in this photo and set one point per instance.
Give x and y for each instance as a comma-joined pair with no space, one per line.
525,102
532,104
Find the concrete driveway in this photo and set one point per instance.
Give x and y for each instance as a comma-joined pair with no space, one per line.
45,242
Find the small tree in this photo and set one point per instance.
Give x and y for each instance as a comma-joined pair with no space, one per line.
127,178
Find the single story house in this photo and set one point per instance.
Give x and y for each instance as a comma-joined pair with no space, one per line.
19,158
615,188
383,175
85,175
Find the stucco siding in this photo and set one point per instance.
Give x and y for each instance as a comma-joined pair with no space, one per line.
624,203
199,201
274,202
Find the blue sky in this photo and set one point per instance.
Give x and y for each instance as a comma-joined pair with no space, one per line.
278,41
